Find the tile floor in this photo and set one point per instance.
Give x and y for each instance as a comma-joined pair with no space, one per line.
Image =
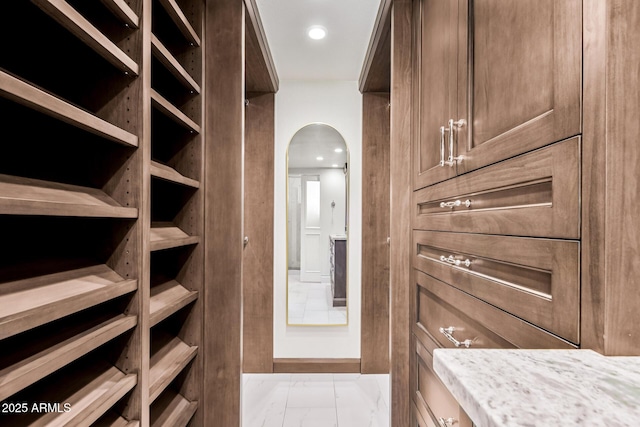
315,400
312,303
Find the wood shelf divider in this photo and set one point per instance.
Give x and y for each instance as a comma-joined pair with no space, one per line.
73,21
28,303
177,16
26,196
26,372
35,98
167,298
172,410
167,173
90,393
169,356
172,112
113,419
166,235
123,12
172,65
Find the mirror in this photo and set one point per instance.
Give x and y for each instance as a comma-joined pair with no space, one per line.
317,221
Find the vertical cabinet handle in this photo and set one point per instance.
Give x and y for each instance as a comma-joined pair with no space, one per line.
447,423
452,160
448,333
441,145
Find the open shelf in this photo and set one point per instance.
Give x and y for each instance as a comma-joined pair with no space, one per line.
28,303
173,66
113,419
27,371
172,410
73,21
169,356
166,235
123,12
167,298
26,196
90,389
172,112
23,93
177,16
169,174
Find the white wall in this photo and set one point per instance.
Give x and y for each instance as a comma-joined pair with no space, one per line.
332,188
338,104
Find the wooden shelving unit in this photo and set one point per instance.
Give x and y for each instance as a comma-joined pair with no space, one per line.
169,356
53,352
33,97
72,286
172,410
90,391
102,184
73,21
176,170
167,298
159,170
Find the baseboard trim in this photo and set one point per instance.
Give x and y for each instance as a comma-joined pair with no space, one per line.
316,366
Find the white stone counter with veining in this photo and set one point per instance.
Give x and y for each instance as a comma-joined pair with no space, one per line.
542,388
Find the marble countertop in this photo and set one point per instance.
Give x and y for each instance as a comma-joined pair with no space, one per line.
512,388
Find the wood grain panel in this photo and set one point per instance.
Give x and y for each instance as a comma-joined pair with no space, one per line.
593,180
535,279
374,346
376,70
430,393
506,198
400,212
316,366
622,238
434,74
440,305
261,75
524,94
223,180
257,270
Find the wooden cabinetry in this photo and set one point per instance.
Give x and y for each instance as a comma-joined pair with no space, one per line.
102,206
338,270
176,214
494,79
496,249
72,292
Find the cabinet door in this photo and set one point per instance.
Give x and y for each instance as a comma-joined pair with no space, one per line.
519,77
435,69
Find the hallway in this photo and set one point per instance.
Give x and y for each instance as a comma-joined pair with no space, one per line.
315,400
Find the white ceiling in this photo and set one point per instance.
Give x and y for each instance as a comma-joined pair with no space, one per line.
317,140
339,56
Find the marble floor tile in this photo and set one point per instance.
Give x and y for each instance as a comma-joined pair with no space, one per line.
265,400
310,417
315,400
312,392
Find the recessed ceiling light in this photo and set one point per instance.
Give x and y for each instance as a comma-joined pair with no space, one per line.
317,32
319,158
338,150
334,166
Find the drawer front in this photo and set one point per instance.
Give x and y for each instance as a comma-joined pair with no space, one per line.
432,399
537,280
536,194
464,318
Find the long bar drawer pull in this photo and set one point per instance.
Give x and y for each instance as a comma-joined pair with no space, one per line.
448,333
447,423
457,203
457,262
